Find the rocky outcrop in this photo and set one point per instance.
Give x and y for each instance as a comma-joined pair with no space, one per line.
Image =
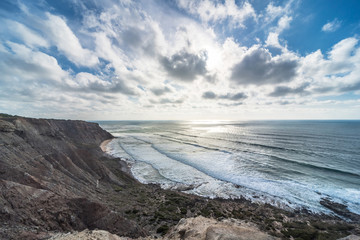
201,228
88,235
52,177
339,209
350,237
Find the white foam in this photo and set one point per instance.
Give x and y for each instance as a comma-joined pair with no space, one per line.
213,173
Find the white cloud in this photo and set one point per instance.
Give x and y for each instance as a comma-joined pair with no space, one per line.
331,26
29,78
283,16
144,50
273,40
25,64
284,23
87,82
273,37
273,12
343,50
106,50
336,73
59,33
28,36
216,11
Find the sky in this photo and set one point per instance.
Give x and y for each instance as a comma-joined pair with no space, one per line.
180,59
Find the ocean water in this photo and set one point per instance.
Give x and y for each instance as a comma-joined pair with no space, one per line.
290,164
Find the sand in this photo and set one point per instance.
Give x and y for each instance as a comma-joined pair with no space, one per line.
104,144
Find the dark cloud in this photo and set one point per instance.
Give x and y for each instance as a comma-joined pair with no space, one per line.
139,39
341,89
209,95
117,86
160,91
260,68
234,97
281,91
185,66
351,87
148,106
229,96
167,101
323,89
211,78
132,37
231,104
285,102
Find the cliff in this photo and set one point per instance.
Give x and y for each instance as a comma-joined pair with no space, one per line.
52,177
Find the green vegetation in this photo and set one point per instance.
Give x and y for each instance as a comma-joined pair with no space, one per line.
4,115
117,188
316,230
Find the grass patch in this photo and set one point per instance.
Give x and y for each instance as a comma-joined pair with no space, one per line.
117,188
4,115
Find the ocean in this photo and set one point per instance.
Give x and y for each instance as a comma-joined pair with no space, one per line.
289,164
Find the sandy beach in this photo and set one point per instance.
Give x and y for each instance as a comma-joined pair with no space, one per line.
104,144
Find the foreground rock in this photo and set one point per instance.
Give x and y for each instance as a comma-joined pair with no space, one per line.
350,237
201,228
88,235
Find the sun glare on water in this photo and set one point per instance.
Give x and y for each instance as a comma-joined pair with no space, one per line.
211,126
208,122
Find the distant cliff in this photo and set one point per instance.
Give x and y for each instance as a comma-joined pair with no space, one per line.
52,177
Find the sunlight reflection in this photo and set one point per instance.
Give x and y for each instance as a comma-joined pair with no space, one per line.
208,122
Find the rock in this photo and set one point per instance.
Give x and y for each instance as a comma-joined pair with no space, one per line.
6,126
211,229
87,234
339,209
96,215
350,237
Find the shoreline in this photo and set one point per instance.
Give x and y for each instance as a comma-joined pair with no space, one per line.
124,165
338,210
160,211
168,206
104,144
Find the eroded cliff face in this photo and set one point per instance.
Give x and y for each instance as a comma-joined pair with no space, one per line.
52,177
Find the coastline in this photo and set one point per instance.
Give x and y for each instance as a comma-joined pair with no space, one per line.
104,144
91,189
124,166
168,207
334,208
